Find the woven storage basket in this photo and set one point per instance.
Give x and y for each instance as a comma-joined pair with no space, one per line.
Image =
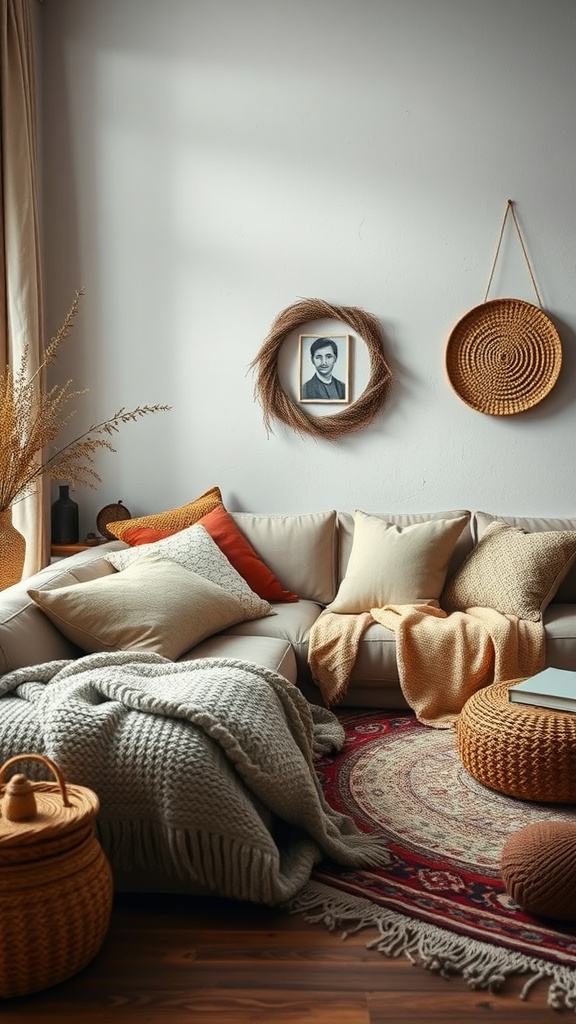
55,881
503,357
518,749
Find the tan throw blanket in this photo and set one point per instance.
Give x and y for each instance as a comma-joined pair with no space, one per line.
442,659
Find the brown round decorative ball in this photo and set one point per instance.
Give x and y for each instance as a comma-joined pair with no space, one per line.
538,866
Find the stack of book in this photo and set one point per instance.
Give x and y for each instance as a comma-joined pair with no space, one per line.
553,688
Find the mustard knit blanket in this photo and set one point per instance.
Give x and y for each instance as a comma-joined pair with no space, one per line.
442,658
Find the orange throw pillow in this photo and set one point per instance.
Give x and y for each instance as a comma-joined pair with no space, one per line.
241,554
174,519
146,535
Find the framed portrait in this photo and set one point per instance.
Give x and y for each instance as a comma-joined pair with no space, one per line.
324,368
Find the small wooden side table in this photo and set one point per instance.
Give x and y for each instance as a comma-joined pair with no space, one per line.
64,550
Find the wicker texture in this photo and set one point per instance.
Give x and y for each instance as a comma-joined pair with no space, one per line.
538,866
113,513
503,357
12,551
515,572
524,751
55,887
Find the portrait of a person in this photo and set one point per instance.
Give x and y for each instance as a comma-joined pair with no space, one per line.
323,386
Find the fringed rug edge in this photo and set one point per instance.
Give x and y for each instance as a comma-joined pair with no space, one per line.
483,966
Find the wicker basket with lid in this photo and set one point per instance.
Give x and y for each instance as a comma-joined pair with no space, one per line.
55,881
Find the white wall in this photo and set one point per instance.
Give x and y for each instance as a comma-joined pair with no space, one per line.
208,164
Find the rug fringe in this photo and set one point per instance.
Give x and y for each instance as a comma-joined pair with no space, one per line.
481,965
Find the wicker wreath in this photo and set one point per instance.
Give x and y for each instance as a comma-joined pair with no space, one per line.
275,402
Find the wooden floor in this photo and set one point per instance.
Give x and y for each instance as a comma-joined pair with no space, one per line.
176,960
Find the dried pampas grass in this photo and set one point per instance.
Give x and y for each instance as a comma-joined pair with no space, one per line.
276,404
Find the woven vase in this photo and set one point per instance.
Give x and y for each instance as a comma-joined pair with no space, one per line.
12,551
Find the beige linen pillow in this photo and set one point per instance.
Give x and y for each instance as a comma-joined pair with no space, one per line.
154,605
390,564
514,572
299,549
195,550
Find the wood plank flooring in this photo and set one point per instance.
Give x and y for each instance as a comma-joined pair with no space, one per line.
180,960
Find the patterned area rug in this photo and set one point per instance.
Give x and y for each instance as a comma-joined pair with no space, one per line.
441,901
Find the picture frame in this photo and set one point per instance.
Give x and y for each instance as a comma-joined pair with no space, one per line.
324,369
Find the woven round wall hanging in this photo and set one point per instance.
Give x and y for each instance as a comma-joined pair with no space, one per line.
505,355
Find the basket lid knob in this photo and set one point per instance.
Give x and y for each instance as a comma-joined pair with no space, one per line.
61,810
19,802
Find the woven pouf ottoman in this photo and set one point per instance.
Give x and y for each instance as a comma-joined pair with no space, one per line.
538,867
518,749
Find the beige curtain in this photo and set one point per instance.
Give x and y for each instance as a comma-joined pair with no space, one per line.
20,274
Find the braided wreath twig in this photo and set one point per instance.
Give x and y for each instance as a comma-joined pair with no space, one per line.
276,404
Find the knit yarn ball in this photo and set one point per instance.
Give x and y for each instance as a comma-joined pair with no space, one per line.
538,866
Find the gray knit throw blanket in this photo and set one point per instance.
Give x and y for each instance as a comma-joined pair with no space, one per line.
204,769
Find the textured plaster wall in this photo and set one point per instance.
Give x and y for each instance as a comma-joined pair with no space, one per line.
207,164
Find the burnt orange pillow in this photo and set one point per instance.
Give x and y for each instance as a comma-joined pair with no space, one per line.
232,542
146,535
241,554
172,520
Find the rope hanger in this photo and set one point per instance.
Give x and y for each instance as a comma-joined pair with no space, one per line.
510,209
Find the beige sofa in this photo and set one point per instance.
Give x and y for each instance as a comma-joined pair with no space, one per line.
310,555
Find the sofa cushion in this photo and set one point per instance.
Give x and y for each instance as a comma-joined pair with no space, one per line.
566,592
272,652
173,519
299,549
514,572
391,564
291,622
195,550
153,605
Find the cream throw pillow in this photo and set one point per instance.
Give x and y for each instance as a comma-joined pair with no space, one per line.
154,605
195,550
390,564
514,572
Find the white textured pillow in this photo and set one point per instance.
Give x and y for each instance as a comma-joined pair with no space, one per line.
154,605
194,549
390,564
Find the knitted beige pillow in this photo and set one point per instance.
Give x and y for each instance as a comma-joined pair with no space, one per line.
391,564
514,572
174,518
153,605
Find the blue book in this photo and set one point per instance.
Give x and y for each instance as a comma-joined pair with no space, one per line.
553,688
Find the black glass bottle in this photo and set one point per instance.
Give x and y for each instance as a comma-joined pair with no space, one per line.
64,518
